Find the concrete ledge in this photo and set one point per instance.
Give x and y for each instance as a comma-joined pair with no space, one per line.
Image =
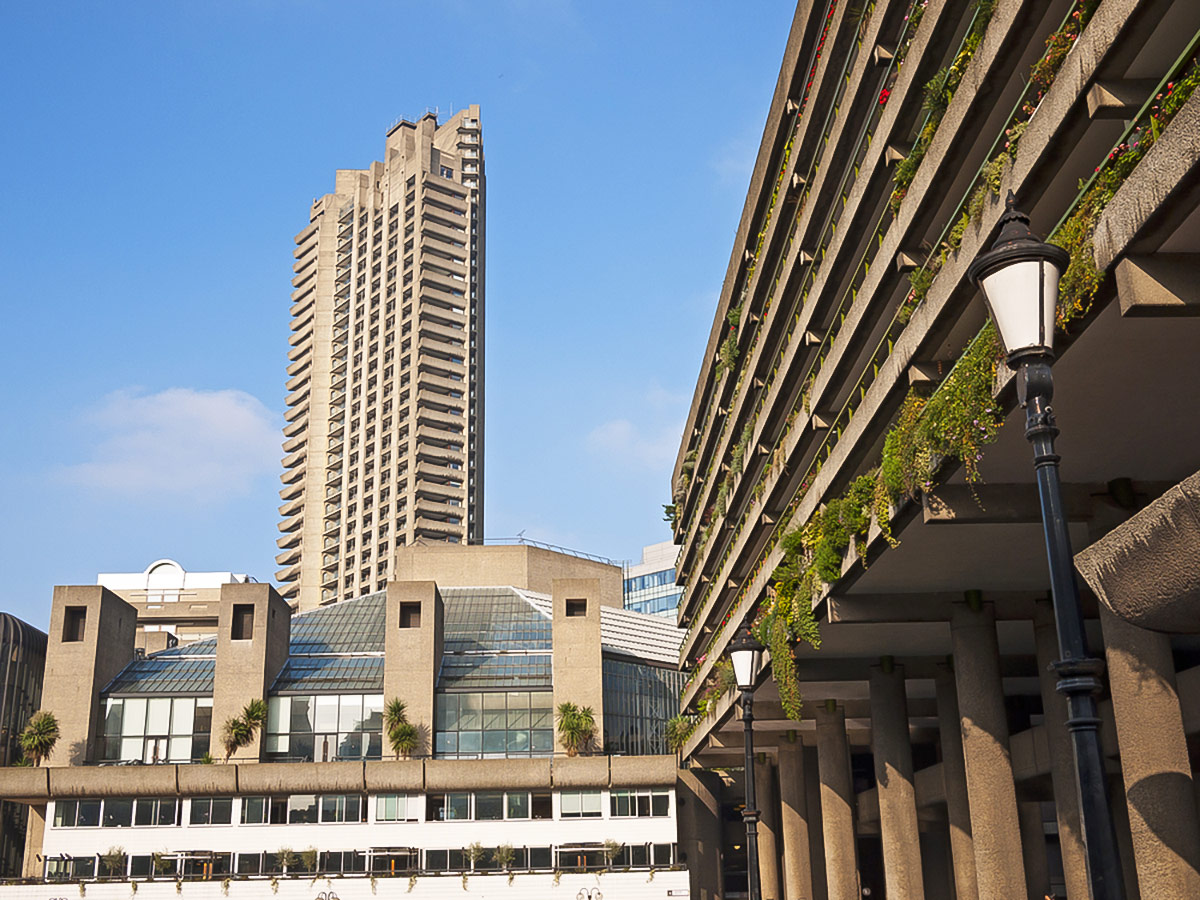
24,783
113,781
486,774
199,780
643,771
581,772
395,775
292,778
1145,569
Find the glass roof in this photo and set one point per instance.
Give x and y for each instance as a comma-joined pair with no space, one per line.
496,619
352,626
311,674
171,675
477,671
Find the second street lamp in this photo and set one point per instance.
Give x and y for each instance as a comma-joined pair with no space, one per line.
745,652
1019,279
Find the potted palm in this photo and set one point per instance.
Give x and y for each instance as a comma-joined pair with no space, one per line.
576,727
39,737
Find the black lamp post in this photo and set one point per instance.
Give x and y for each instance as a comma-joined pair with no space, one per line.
1019,279
745,651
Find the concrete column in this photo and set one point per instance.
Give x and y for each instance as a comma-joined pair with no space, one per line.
793,822
816,834
768,829
35,833
699,817
954,777
837,805
995,827
1120,817
1062,756
1033,838
1154,759
892,749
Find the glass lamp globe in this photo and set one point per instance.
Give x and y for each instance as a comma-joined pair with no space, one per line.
745,652
1019,279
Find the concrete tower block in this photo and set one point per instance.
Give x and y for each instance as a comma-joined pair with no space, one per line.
254,631
413,642
578,675
92,633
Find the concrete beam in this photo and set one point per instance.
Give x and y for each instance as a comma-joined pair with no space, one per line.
1118,99
1002,504
1164,284
923,607
924,374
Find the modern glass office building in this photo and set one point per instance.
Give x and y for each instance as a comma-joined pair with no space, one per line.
22,660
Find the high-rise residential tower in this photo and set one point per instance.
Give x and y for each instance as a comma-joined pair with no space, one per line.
384,436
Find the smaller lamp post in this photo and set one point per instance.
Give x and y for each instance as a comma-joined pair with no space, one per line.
1019,279
745,651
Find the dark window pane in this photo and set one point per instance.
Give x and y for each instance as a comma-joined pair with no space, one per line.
660,804
539,857
201,813
118,813
518,805
89,813
542,807
489,805
222,811
436,860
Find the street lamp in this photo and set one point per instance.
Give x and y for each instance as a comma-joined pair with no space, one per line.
745,651
1019,279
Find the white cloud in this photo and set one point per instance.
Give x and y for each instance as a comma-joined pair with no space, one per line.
179,444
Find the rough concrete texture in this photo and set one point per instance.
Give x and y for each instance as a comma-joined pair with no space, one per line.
413,655
643,771
1062,756
301,778
995,828
954,777
837,806
1033,839
697,798
575,642
1144,570
892,750
206,780
35,832
1154,759
793,823
395,775
96,781
580,771
816,834
1162,169
25,784
484,774
767,797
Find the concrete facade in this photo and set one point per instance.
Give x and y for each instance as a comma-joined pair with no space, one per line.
384,437
845,308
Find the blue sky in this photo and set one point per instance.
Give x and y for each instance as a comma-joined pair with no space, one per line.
159,158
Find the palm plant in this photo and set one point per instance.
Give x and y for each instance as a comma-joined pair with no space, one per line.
255,713
503,856
402,734
576,727
113,861
474,853
40,736
236,734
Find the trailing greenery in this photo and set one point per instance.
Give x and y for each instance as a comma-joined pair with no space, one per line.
503,856
678,729
39,736
113,861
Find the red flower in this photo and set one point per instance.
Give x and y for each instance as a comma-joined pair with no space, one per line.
883,96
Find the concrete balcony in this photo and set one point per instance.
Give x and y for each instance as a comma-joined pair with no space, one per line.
291,507
288,557
291,573
441,402
291,539
438,474
292,524
432,295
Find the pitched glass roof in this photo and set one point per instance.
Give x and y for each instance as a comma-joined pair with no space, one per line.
312,674
352,626
174,674
495,619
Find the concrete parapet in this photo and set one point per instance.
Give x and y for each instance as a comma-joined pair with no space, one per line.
291,778
199,780
484,774
580,772
642,771
102,781
395,775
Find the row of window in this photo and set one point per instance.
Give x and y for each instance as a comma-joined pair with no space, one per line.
303,809
376,861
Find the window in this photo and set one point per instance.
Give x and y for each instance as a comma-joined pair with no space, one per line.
242,626
576,608
343,808
448,807
489,805
257,810
324,727
580,804
156,729
410,615
517,805
76,813
156,811
211,811
397,808
494,724
541,806
640,803
117,813
302,809
74,624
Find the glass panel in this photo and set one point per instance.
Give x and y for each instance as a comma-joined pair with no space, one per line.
541,741
158,715
662,854
470,741
489,805
333,808
143,812
660,804
249,863
183,713
131,748
112,716
254,810
118,813
373,712
350,746
643,805
166,812
201,811
279,714
300,746
619,803
494,741
458,806
203,715
571,803
470,712
302,717
518,742
326,716
591,803
134,721
518,718
275,743
518,805
302,808
374,745
541,806
446,742
447,712
350,712
180,749
539,857
386,808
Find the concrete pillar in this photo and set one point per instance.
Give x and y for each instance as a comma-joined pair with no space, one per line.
1033,839
995,827
698,797
35,833
837,805
413,641
892,749
768,829
1062,756
1120,817
575,639
1154,759
954,777
793,822
816,834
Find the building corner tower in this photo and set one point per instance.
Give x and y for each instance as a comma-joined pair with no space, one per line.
383,439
